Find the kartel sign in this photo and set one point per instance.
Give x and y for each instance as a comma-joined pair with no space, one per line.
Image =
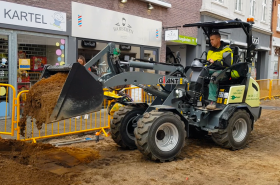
21,15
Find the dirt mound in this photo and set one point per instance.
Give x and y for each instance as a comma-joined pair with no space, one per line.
33,163
31,153
14,173
41,100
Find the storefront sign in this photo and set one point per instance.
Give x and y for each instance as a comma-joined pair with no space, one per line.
24,64
21,15
186,40
102,24
171,35
125,47
256,40
88,44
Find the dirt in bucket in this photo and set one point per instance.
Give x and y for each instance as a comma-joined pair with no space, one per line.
41,100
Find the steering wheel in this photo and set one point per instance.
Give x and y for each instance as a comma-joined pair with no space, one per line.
203,61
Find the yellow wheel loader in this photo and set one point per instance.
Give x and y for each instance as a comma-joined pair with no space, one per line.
159,130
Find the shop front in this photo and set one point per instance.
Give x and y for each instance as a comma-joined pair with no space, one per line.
275,56
185,45
134,36
30,38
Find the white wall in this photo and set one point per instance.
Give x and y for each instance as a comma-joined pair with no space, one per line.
226,10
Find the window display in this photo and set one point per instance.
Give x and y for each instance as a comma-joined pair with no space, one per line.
4,51
37,52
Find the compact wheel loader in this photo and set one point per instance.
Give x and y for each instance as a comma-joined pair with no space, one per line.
159,130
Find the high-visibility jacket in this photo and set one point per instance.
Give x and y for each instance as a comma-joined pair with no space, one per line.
216,54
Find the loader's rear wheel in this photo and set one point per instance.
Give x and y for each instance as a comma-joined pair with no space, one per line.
160,135
123,125
237,133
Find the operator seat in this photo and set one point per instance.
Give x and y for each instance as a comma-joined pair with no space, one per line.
225,78
236,56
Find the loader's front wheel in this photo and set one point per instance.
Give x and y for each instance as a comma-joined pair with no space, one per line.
237,133
123,125
160,135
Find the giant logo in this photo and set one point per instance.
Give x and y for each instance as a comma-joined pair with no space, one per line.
165,80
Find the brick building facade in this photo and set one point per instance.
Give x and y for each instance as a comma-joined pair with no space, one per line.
275,40
181,12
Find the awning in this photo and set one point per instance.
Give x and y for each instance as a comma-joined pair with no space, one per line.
263,48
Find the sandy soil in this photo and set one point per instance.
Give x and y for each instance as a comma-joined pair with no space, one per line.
201,162
41,100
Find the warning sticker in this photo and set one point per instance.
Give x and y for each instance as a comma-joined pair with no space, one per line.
226,95
221,94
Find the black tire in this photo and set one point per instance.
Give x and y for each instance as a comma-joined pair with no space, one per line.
235,139
121,127
147,132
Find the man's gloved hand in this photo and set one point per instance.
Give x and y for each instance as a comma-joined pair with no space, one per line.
211,61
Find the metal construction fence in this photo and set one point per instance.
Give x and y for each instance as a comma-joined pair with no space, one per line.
97,121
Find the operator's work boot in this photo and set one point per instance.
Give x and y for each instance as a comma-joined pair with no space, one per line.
211,105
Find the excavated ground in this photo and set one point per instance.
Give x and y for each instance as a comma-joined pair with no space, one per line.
201,161
41,100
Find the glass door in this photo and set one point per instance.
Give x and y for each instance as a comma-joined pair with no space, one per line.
4,75
4,58
150,54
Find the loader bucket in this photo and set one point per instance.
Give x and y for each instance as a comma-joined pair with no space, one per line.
81,93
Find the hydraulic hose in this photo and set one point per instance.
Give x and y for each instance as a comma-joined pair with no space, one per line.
153,91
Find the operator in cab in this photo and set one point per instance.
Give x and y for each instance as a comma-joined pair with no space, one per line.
215,56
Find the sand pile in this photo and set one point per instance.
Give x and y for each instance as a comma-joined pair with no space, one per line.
28,163
41,100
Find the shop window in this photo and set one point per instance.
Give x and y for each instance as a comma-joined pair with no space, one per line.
238,5
4,75
90,48
264,5
4,58
33,53
278,18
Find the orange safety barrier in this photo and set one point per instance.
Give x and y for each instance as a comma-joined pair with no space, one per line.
275,88
7,119
265,88
98,121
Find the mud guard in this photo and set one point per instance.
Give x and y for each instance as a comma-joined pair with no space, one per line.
255,113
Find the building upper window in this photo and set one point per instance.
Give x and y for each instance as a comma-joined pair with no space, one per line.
264,5
220,1
278,18
252,8
238,5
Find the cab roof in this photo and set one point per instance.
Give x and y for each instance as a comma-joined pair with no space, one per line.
236,23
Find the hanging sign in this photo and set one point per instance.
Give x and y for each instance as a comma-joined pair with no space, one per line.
171,35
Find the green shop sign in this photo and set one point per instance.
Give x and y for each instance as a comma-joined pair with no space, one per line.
186,40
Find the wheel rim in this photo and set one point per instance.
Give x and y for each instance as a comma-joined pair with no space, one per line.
130,128
239,130
167,137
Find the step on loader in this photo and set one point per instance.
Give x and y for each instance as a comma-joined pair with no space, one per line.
159,130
